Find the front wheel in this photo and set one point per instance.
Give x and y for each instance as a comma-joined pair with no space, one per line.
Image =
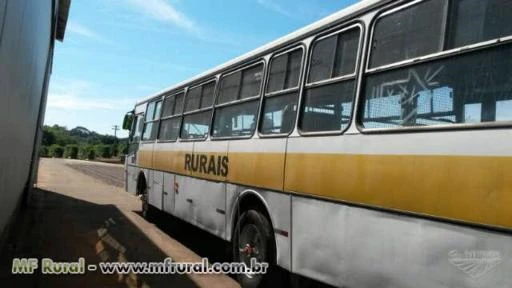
253,239
147,209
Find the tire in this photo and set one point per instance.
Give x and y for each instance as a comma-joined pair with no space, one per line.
253,223
148,212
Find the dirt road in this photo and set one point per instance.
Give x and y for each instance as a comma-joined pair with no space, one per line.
111,174
74,215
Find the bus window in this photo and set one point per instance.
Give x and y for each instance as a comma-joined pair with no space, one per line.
408,33
327,104
193,99
469,88
279,114
229,88
151,123
178,106
251,82
236,118
171,117
461,88
169,129
137,128
168,109
281,97
196,126
196,121
475,21
173,105
208,90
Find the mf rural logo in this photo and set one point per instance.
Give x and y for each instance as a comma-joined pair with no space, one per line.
475,263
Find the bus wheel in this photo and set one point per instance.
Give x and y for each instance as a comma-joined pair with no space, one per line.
253,239
147,209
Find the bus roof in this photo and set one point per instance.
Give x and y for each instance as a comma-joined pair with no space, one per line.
348,12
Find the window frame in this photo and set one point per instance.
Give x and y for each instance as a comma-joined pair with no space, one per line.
154,100
216,81
298,88
444,54
240,68
164,97
354,76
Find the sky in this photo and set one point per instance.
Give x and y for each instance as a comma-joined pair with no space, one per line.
116,52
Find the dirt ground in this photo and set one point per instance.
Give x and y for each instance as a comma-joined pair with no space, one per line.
80,209
111,174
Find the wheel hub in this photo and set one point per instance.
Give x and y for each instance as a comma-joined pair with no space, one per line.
249,244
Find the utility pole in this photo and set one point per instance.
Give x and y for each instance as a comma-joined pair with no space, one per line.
115,128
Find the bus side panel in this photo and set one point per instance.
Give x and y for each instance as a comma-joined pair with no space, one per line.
209,196
199,202
181,206
170,158
260,163
132,173
209,201
155,189
169,193
279,206
459,175
357,247
257,162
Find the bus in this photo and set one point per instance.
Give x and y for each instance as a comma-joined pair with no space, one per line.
369,149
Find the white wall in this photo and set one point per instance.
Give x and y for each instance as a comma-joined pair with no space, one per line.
24,49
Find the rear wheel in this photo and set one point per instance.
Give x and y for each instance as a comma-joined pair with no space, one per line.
253,238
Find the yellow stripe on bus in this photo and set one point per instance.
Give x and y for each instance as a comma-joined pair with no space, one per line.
145,158
264,170
476,189
171,161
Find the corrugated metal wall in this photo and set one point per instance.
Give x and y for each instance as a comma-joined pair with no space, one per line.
25,44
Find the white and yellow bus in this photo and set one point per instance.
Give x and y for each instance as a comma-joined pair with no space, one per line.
372,148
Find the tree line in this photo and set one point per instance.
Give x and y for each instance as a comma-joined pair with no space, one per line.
80,143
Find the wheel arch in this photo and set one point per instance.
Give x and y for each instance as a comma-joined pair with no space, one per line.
141,182
251,199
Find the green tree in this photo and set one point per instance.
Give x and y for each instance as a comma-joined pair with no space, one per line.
56,151
91,154
86,152
71,151
43,151
48,137
103,151
115,150
80,132
123,148
85,139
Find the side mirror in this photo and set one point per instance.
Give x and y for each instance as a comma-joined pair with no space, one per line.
127,122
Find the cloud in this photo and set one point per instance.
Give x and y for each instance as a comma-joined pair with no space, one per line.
78,95
299,9
270,4
73,102
78,29
162,11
